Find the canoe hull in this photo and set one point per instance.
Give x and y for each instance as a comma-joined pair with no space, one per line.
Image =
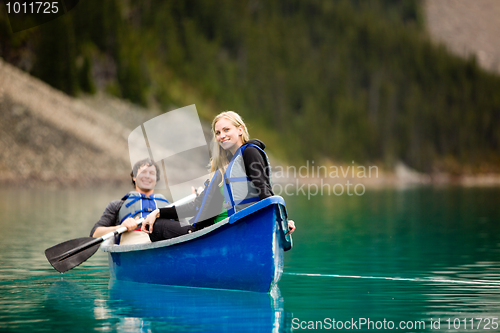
245,253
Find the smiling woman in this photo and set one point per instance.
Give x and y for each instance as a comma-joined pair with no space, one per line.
228,135
240,177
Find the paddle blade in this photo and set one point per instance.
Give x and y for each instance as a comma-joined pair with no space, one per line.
69,254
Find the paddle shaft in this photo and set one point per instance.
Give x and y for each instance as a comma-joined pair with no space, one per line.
98,240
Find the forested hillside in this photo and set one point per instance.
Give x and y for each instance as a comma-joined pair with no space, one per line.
320,79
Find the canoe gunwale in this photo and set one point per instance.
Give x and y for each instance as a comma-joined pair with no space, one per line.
115,248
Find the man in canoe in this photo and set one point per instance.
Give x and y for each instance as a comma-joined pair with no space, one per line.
138,203
240,177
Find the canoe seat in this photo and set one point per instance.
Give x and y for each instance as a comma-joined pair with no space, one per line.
134,237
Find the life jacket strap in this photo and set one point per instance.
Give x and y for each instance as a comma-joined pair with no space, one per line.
139,197
247,200
236,179
148,210
206,192
230,208
133,201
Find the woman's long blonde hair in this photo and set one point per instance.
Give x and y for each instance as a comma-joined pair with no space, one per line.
220,157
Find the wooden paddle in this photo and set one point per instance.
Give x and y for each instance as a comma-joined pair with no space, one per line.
69,254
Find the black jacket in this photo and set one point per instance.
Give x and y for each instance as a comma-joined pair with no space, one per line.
256,169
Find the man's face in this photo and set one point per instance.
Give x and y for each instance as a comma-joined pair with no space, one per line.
146,178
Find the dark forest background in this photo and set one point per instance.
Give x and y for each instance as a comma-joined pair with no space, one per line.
325,80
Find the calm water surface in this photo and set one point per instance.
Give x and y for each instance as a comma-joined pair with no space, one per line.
421,256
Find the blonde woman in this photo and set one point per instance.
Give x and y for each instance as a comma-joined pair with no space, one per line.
240,177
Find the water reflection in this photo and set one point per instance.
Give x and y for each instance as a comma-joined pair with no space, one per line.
136,307
71,306
145,307
400,255
477,296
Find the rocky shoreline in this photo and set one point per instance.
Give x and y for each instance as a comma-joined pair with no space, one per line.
47,137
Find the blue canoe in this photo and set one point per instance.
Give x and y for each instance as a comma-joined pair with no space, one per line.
242,252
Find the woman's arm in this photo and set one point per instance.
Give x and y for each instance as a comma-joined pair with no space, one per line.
258,172
171,213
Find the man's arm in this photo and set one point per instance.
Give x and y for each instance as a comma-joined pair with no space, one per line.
130,223
109,220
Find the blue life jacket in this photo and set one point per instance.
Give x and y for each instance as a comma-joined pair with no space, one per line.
239,191
138,204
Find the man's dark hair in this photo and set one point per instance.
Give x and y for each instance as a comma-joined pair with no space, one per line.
145,162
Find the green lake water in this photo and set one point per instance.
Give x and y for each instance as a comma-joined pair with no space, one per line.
414,260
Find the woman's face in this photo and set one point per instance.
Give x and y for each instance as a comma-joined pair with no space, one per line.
228,135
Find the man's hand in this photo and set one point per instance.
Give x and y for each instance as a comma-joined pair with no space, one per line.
130,223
